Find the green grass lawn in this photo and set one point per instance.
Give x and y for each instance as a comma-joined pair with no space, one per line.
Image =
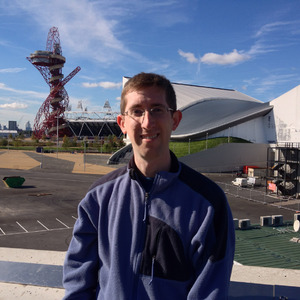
186,148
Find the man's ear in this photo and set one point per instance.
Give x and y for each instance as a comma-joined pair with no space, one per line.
121,121
177,116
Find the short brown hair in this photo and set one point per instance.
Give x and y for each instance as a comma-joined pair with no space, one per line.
143,80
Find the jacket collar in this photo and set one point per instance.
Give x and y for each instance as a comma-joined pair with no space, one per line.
161,176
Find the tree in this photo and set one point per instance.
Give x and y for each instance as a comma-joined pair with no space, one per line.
74,144
66,142
121,143
3,142
21,135
34,139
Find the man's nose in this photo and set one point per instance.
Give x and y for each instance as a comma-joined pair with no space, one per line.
148,118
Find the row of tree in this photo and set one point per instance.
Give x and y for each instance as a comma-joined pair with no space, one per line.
105,144
110,143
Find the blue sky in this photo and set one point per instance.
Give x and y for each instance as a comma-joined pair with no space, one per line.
252,46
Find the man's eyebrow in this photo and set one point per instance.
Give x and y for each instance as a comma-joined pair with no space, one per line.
136,106
158,104
151,106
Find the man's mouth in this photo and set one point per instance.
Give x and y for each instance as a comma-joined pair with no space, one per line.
149,137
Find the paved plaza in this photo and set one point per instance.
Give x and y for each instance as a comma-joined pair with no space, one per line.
41,213
37,219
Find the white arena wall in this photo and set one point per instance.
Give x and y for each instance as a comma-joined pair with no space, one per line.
252,131
285,116
228,157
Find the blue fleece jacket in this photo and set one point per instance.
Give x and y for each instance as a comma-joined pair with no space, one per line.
175,242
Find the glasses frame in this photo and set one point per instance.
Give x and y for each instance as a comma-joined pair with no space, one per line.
149,110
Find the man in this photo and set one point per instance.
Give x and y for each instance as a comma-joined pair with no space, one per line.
155,229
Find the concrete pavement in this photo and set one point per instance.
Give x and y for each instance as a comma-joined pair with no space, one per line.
36,220
241,276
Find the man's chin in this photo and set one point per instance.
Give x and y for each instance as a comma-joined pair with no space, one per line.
148,153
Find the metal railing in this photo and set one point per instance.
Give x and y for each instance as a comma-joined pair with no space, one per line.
259,196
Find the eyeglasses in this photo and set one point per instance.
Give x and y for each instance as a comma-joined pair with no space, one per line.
138,114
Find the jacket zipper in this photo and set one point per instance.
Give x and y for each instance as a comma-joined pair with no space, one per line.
145,213
154,255
146,207
152,270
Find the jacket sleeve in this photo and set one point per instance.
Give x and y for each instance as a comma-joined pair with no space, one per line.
81,266
213,255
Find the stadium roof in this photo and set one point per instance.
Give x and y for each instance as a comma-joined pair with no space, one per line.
208,110
213,115
187,94
94,123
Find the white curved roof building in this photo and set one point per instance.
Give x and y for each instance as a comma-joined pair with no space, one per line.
212,112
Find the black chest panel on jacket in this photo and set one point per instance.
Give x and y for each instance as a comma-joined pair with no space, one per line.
163,255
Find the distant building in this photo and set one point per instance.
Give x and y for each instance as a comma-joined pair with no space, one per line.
28,126
93,124
4,133
12,125
215,112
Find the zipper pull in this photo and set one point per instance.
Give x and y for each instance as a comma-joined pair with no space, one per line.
145,207
152,269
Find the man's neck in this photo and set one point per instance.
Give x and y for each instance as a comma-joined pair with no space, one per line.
151,167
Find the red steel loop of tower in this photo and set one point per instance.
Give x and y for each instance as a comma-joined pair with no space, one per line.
50,118
53,39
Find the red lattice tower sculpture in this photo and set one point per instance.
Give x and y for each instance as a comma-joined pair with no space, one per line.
50,119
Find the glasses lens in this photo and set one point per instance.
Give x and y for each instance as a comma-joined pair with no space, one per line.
155,112
158,111
136,112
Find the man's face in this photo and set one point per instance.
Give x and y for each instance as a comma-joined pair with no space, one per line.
149,133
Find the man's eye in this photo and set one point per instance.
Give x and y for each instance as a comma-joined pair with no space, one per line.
137,112
157,110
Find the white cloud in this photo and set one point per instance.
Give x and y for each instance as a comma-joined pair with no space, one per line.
272,36
273,80
211,58
231,58
34,94
103,84
269,83
14,105
12,70
98,31
267,28
92,30
260,48
189,56
261,45
277,26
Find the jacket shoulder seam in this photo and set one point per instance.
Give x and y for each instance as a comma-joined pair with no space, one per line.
109,177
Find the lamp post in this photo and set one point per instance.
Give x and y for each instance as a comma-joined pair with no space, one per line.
228,135
41,163
84,150
57,135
